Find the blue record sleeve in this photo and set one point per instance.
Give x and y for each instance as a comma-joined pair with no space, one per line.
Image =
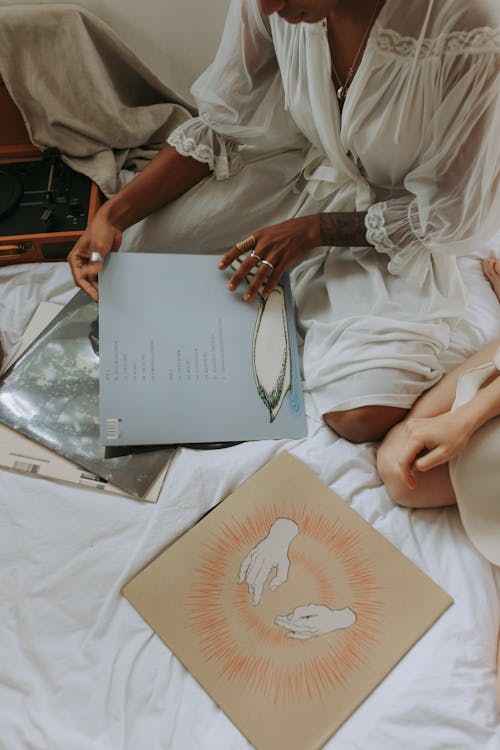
183,361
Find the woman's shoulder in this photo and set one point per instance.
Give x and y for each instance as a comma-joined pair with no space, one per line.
444,16
474,14
438,27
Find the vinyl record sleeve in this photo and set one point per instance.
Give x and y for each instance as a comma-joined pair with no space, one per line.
286,606
25,456
184,361
51,395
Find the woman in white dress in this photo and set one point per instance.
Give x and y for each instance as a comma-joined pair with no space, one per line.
363,136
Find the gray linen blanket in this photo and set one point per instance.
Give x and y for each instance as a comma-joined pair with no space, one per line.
81,89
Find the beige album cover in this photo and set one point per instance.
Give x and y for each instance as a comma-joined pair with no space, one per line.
286,606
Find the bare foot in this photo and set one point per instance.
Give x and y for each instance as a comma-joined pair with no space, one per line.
491,269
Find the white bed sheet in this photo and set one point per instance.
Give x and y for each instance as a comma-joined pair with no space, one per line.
80,669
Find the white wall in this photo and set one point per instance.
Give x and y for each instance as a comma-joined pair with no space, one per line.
177,39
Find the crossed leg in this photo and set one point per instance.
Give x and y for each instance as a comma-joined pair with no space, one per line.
374,423
434,488
364,424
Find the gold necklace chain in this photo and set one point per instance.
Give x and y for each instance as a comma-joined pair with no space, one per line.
342,89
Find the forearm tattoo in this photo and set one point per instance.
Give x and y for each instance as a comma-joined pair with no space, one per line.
343,229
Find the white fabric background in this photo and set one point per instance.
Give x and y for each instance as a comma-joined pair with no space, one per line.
79,668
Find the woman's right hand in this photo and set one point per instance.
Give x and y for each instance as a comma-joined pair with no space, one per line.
103,237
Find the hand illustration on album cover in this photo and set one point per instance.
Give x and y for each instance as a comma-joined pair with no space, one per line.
311,620
286,606
271,553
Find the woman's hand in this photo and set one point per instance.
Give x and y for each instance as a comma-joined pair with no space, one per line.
281,246
424,443
102,236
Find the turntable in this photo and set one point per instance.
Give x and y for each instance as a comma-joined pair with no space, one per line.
45,205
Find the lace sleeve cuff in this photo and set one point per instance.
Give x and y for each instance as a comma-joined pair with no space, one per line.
197,139
391,229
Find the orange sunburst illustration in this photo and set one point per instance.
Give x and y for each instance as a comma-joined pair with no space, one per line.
242,642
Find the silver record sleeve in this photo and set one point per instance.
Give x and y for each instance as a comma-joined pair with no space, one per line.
51,395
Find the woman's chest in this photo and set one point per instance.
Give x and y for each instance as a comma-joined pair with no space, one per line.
365,126
347,37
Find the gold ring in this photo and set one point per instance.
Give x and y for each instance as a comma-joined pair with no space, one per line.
247,244
267,263
253,254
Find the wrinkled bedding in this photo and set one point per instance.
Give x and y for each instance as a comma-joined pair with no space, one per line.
80,669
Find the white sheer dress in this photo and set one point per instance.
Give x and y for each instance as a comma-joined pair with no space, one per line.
417,146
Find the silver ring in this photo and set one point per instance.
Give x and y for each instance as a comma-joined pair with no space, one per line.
95,257
253,254
267,263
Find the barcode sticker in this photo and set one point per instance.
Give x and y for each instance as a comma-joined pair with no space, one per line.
90,483
23,466
92,480
112,429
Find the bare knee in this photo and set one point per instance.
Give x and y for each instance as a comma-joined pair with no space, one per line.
365,423
433,488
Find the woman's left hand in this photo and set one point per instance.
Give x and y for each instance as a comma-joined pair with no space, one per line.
425,443
281,246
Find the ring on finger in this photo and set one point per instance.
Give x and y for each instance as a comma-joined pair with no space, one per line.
253,254
247,244
95,257
267,263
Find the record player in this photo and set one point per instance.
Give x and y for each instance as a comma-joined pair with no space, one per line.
45,206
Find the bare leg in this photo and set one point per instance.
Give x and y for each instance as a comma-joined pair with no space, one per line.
364,424
434,487
491,269
369,423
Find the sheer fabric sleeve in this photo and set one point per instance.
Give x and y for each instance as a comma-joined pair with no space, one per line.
452,203
239,97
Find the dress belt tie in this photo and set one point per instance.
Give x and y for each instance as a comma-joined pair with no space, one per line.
348,192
